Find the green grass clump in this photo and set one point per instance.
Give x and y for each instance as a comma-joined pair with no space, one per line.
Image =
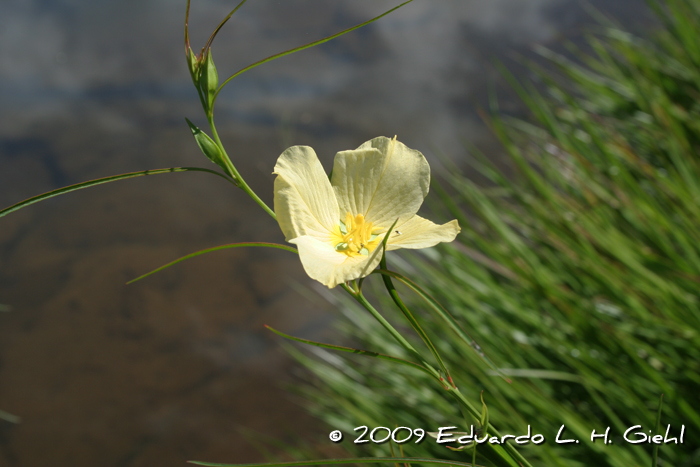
578,276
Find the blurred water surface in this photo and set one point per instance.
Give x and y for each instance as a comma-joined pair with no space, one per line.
169,369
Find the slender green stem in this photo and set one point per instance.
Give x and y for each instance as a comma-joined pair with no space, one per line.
233,172
395,334
411,319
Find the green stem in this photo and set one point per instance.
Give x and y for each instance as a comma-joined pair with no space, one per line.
395,334
411,319
234,173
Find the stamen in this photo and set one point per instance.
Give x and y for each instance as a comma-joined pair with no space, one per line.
356,238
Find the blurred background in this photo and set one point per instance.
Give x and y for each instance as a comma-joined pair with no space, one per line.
176,366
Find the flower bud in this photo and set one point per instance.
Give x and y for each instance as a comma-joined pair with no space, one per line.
209,80
208,146
193,65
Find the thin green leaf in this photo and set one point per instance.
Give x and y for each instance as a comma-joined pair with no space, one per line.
340,348
99,181
218,28
216,248
188,50
306,46
349,460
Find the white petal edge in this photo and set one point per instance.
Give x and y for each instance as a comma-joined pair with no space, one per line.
305,203
382,179
419,232
322,263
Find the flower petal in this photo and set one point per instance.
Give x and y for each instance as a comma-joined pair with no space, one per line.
422,233
382,180
322,263
305,202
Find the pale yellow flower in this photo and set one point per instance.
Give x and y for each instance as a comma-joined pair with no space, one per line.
338,225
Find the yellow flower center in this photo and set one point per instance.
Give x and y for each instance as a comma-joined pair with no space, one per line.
355,237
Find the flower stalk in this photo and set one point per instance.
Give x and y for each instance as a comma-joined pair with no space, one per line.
233,172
